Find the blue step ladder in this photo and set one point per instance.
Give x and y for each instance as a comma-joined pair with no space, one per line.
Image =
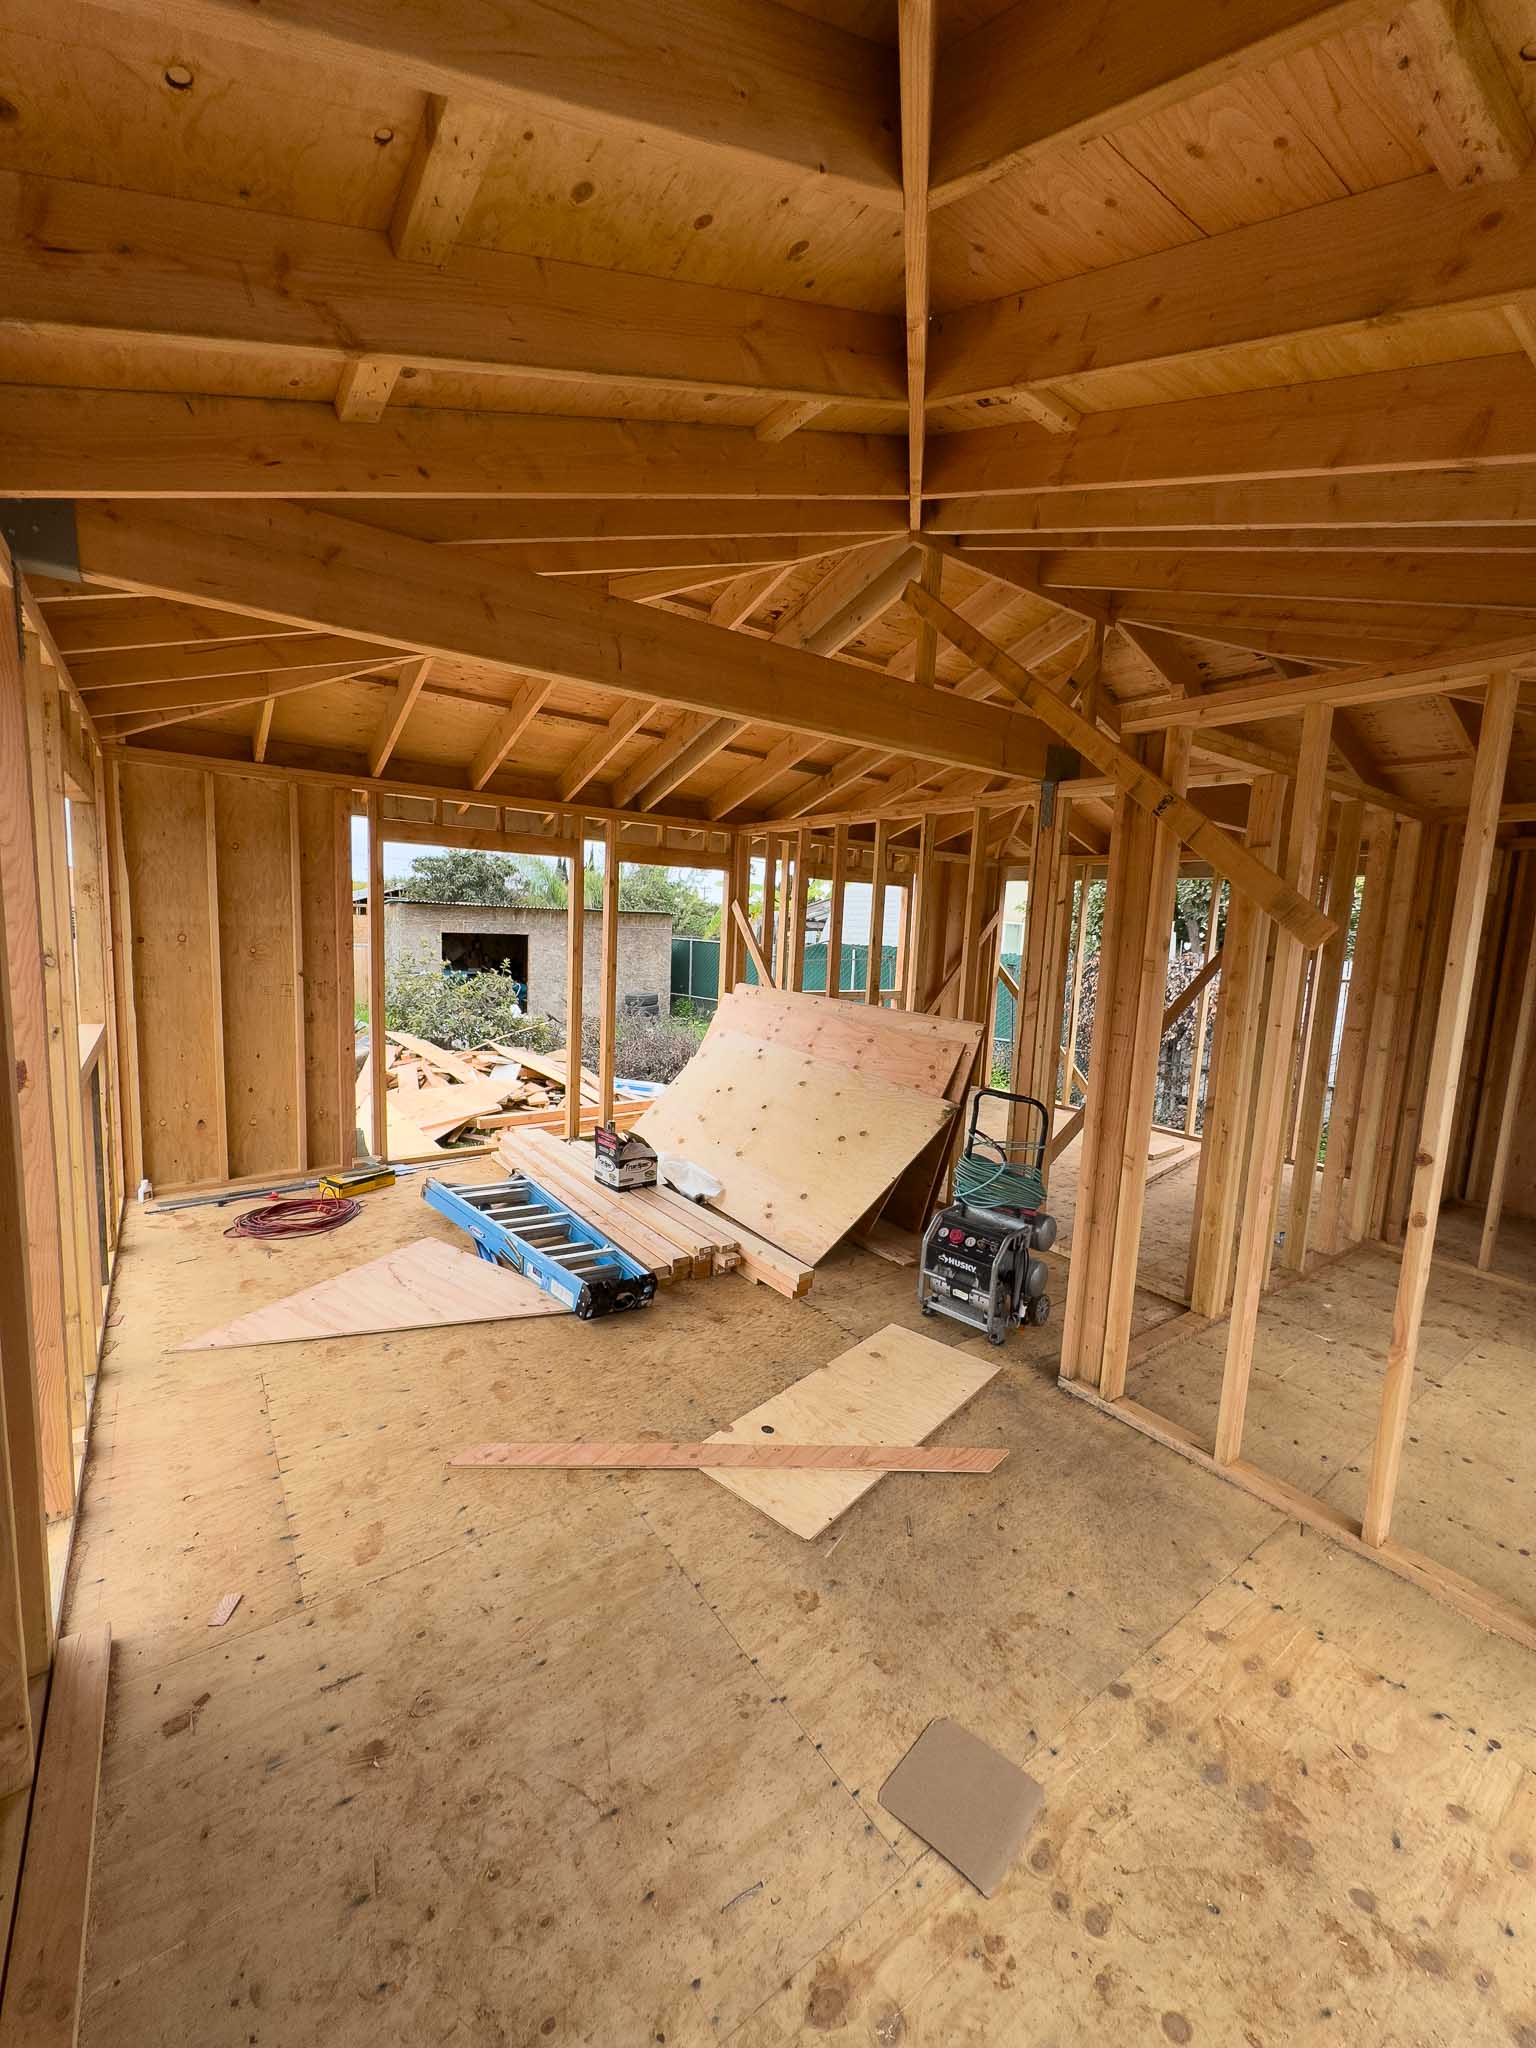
519,1224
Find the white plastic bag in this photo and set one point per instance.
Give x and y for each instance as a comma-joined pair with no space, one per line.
688,1179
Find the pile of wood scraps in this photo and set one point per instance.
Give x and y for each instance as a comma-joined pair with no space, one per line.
818,1118
452,1098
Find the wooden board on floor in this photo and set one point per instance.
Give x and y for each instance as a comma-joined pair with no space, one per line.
581,1456
801,1147
894,1388
418,1287
47,1954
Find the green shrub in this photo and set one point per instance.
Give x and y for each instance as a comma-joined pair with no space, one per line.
455,1011
646,1049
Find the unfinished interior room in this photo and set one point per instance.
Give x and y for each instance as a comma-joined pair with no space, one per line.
963,1472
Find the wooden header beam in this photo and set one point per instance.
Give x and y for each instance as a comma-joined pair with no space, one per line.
310,568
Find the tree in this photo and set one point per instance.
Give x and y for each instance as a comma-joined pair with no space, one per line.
675,891
468,875
528,881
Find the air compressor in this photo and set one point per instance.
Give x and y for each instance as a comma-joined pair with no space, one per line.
980,1262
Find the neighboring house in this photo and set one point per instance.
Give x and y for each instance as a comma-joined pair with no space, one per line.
856,917
529,943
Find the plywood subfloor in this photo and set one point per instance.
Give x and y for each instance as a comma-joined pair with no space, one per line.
487,1758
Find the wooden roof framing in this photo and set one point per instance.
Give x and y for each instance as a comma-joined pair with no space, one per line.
564,417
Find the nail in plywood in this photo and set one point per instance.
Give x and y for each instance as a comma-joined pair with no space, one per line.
801,1147
894,1388
47,1954
420,1287
578,1456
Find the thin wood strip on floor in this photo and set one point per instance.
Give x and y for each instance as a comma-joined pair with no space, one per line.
680,1457
46,1966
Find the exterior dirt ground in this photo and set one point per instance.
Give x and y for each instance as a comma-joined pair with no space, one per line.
488,1757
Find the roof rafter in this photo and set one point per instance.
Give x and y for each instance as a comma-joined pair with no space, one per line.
1092,70
1413,246
1476,414
1403,578
1366,684
144,267
472,522
761,87
79,444
1429,497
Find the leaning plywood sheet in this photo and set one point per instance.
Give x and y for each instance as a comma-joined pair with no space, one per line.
802,1148
909,1050
418,1287
894,1388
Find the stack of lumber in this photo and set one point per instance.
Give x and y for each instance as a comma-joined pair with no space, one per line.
445,1096
810,1113
677,1239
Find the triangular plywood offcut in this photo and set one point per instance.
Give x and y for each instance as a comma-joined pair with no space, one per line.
419,1286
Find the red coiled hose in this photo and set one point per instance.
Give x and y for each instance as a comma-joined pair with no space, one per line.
295,1219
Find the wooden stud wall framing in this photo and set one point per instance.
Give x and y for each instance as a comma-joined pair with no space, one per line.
1417,980
1229,1116
62,1162
239,897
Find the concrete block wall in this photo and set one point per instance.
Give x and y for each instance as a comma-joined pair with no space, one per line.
413,936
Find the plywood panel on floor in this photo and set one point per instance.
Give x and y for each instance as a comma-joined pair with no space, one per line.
894,1388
